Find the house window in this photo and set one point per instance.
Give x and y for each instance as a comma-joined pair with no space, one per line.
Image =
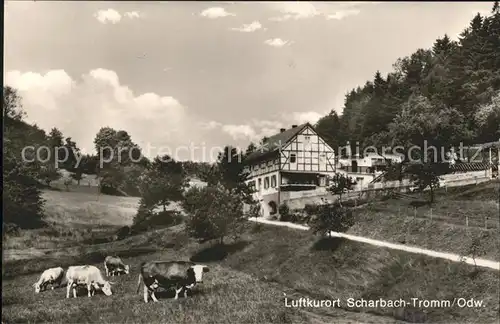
259,184
273,181
266,183
251,185
293,158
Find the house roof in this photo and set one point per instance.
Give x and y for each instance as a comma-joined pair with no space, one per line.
276,142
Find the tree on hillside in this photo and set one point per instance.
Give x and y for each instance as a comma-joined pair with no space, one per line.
427,175
214,213
329,128
115,151
12,105
332,218
48,173
164,182
22,201
427,133
341,184
487,119
232,174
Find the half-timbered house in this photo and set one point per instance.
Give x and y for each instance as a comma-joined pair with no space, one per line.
295,159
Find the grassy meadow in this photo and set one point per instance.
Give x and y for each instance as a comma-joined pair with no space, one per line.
445,226
249,276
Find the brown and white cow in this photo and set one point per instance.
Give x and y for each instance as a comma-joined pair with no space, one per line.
180,275
87,275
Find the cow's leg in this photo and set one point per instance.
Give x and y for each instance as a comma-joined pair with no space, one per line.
89,288
177,291
146,294
153,296
68,288
74,291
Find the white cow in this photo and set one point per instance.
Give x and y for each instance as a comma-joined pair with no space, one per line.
50,276
87,275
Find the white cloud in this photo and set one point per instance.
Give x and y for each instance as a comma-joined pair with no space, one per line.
248,28
239,131
256,129
210,125
113,16
295,10
343,13
277,42
132,14
79,108
306,117
305,10
215,12
109,15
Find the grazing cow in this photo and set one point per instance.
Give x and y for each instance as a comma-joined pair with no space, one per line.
50,276
89,276
181,275
114,265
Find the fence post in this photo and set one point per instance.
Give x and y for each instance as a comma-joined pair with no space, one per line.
414,212
466,221
431,214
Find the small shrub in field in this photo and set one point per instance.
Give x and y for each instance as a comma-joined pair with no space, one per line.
474,248
332,218
284,212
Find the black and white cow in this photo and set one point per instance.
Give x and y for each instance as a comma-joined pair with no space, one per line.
180,275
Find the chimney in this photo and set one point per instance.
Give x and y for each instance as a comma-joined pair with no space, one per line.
282,130
293,126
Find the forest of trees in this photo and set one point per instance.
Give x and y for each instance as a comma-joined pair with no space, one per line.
455,82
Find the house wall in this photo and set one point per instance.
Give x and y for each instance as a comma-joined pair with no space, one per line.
258,194
308,152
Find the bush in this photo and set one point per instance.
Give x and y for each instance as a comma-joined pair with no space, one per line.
311,209
123,232
151,220
332,218
214,213
284,212
11,229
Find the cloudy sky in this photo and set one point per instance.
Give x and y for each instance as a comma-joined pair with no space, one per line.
204,74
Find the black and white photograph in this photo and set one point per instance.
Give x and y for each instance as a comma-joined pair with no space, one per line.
256,162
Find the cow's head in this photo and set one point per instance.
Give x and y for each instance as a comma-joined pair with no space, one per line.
198,271
106,288
126,269
37,288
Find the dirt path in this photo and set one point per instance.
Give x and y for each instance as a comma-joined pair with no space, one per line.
442,255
